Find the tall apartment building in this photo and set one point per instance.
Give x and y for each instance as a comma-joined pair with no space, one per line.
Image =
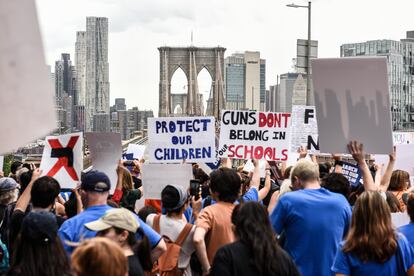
245,81
92,69
64,91
400,74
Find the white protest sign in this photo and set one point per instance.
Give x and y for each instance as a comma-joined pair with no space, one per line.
352,103
106,150
173,139
156,176
136,150
62,158
1,163
255,135
400,219
404,161
26,93
403,138
304,129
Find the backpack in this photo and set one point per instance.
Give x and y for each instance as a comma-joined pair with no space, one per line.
167,264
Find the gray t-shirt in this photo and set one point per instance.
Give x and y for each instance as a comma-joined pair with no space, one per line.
172,228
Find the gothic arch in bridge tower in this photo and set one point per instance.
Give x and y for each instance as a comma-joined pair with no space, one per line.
192,60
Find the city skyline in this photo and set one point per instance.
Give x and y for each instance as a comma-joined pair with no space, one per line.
137,29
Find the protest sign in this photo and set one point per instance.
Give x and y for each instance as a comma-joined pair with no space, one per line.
62,158
352,173
254,135
249,167
304,129
106,150
352,103
403,138
173,139
127,156
1,163
136,150
156,176
26,94
400,219
404,161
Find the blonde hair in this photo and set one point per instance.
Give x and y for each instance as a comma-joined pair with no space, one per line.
99,256
305,170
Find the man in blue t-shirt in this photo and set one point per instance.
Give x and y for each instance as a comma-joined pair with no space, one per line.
313,220
95,188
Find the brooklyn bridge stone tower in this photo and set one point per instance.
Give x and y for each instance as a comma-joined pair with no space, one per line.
192,60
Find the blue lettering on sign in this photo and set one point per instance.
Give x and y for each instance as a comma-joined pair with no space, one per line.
180,154
195,125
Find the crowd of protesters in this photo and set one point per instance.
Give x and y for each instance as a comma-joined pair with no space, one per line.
305,219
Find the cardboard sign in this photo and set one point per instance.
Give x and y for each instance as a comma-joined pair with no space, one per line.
156,176
400,219
403,138
352,173
405,158
304,129
136,150
62,159
26,94
352,103
171,140
106,150
255,135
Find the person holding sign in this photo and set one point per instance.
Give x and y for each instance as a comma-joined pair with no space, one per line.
311,240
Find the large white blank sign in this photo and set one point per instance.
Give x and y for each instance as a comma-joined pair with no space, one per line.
26,94
156,176
352,103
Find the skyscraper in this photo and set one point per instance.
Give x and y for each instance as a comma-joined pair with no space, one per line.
400,74
80,64
93,72
245,81
64,91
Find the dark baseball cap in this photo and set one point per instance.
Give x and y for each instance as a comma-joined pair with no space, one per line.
7,184
95,181
40,227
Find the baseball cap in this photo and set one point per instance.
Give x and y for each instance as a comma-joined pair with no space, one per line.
173,197
40,227
117,217
7,184
95,181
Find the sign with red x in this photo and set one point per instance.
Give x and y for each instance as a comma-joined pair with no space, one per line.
62,158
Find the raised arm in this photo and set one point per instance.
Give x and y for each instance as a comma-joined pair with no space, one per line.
25,198
385,181
357,151
118,193
265,190
338,163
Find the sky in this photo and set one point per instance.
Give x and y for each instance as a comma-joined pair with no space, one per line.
138,27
